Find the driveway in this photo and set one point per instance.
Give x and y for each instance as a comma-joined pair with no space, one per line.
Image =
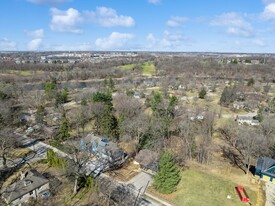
140,181
270,194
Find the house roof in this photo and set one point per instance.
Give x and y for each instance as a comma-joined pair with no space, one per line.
245,118
270,172
31,181
148,159
101,142
264,163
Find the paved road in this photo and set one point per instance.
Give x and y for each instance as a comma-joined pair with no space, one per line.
39,147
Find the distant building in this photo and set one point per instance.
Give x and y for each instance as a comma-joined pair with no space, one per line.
31,184
238,105
265,168
247,120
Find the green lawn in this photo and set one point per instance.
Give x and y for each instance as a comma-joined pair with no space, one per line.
127,66
197,188
148,68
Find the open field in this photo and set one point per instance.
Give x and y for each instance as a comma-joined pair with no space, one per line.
127,66
24,72
199,188
148,68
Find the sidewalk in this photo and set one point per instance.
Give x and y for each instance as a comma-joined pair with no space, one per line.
157,200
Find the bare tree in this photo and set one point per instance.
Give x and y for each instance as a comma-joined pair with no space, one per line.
136,127
127,106
7,143
96,110
76,166
250,144
245,143
205,138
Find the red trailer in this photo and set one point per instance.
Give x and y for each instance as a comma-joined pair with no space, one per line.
242,194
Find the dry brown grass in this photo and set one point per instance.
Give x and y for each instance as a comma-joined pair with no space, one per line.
126,173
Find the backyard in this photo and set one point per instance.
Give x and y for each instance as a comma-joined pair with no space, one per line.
199,188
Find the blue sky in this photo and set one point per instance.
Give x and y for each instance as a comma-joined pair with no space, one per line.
138,25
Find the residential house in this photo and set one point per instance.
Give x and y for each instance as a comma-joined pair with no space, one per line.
147,159
103,148
265,168
248,120
238,105
31,184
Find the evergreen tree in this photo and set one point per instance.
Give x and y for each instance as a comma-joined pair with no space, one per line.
50,88
156,100
61,97
168,176
202,93
102,97
63,132
251,82
111,85
108,124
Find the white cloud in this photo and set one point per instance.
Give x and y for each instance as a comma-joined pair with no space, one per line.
269,12
154,1
48,1
268,1
235,24
175,21
108,17
7,45
39,33
66,21
151,40
115,41
168,41
259,42
35,44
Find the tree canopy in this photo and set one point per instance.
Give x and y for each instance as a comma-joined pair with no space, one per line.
168,176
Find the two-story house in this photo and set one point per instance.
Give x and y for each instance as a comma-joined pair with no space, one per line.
31,184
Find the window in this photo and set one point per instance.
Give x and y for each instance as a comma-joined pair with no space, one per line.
27,182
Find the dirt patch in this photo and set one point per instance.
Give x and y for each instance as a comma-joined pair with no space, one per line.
126,173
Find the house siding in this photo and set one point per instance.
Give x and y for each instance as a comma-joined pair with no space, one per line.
35,194
266,178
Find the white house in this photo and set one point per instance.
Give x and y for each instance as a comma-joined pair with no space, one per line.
247,120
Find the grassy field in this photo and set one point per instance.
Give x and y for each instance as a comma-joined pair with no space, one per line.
148,68
24,72
198,188
127,66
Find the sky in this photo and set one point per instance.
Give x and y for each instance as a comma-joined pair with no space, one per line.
138,25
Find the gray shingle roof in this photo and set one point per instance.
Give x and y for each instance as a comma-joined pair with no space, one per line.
32,180
264,163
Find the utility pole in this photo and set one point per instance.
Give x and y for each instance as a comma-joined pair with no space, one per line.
137,196
146,186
